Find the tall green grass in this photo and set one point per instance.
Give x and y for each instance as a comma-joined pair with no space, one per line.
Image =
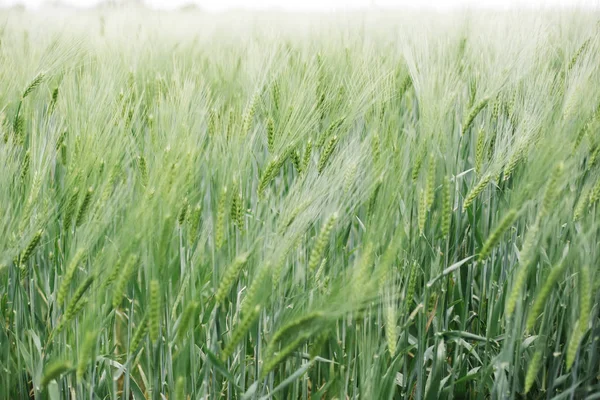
365,206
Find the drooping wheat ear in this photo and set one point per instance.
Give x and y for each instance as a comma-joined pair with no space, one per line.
582,133
476,191
519,283
236,211
527,253
69,315
60,141
295,157
321,243
329,131
376,147
2,120
540,300
239,215
186,319
19,129
53,100
326,154
143,166
472,114
391,328
593,157
33,84
25,165
349,176
249,115
230,124
492,145
573,346
54,370
595,193
514,160
121,284
585,297
220,221
269,174
585,129
271,135
75,299
180,389
231,274
533,369
139,334
307,155
419,162
550,196
112,275
77,147
276,95
211,125
75,305
422,211
69,274
497,234
431,182
319,280
85,205
154,310
581,203
496,108
33,243
86,352
578,54
405,85
509,107
240,331
291,217
446,207
109,185
472,91
277,358
183,212
194,220
259,282
480,150
411,286
70,209
180,294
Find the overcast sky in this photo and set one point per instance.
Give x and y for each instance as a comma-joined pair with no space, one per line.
322,5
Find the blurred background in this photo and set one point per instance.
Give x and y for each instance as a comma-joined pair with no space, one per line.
303,5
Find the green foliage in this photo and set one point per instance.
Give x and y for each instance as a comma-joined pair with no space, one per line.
295,208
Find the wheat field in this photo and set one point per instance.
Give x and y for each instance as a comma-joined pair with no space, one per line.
382,205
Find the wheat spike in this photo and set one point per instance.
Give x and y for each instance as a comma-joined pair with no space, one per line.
533,369
320,243
154,310
496,235
68,276
476,191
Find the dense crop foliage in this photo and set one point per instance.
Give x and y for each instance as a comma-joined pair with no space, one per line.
292,206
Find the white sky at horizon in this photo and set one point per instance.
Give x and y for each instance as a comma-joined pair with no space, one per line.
321,5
